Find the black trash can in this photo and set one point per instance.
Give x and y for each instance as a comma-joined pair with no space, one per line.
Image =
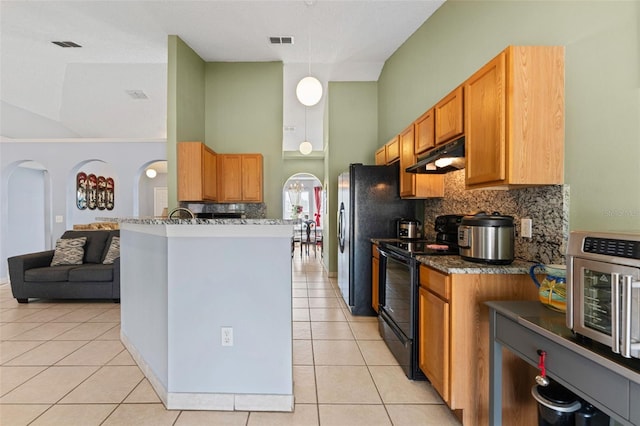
556,405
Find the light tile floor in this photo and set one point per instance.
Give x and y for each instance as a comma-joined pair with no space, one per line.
62,363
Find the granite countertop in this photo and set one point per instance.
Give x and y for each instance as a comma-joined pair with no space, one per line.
165,221
452,264
457,265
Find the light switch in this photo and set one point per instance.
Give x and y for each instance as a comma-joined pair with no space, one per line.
59,219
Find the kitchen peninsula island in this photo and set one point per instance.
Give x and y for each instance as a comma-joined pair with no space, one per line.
206,310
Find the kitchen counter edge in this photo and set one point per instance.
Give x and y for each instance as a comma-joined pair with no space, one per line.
165,221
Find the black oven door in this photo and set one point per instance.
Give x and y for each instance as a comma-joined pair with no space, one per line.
397,319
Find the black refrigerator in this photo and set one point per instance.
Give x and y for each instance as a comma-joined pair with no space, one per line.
369,206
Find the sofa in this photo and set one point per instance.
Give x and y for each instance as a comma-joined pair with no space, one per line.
91,272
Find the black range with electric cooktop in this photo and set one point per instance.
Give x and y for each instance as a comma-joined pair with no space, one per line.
399,284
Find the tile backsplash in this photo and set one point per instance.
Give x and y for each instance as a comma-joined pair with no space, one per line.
547,206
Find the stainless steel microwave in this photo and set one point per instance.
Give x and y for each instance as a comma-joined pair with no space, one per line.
603,291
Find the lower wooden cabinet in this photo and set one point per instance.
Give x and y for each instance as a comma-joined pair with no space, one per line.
240,178
454,344
375,277
433,358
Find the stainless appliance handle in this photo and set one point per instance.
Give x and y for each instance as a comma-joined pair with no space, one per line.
570,301
627,281
615,312
628,284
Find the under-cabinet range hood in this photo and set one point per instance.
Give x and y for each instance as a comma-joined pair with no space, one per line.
443,159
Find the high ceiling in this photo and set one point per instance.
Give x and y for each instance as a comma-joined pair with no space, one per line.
52,92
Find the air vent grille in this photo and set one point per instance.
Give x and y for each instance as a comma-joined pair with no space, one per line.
281,40
66,44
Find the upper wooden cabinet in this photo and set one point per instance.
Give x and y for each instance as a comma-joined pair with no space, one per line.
389,153
425,134
252,178
514,119
416,185
392,149
449,116
381,156
196,172
240,178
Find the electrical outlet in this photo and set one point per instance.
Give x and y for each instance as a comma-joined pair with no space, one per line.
526,228
227,336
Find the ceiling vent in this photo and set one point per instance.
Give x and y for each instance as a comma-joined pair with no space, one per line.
137,94
66,44
281,40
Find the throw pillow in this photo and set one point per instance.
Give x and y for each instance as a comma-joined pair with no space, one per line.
69,251
113,252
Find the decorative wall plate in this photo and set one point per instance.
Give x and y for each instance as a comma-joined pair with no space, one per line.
110,193
81,191
92,191
102,193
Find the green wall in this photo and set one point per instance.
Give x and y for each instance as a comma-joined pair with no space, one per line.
185,105
602,40
244,115
351,120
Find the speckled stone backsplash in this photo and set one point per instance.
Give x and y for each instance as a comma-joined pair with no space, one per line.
251,210
547,206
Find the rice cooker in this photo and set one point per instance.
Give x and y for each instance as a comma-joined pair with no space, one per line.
408,228
487,238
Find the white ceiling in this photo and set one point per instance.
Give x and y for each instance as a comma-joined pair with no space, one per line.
51,92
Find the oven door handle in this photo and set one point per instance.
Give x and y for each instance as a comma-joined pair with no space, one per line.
615,312
394,256
399,334
628,285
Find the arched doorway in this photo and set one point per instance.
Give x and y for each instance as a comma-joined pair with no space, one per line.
152,190
28,209
303,198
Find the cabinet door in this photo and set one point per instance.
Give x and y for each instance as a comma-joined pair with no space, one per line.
407,158
230,178
209,175
189,171
449,117
252,177
375,277
424,128
485,144
381,156
433,356
196,174
392,150
416,185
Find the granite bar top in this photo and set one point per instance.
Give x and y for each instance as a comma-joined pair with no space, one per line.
165,221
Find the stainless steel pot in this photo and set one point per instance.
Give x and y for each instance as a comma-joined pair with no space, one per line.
487,238
408,228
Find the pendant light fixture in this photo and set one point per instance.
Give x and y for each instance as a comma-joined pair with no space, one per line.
309,89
